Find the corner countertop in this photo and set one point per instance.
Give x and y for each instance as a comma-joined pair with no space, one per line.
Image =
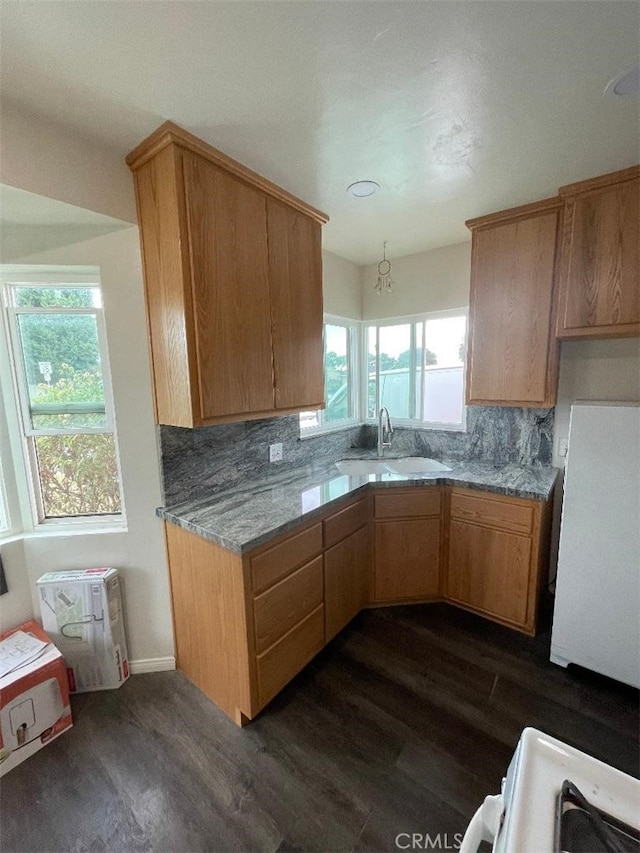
251,513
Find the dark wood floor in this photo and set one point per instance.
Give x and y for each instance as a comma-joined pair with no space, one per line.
402,724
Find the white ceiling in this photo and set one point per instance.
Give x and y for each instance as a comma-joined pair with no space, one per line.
18,207
455,108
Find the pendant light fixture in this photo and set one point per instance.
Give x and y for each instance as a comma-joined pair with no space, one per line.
384,282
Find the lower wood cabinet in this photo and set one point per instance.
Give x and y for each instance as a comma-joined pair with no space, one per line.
245,625
407,545
497,556
347,566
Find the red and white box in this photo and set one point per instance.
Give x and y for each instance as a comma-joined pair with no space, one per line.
82,613
34,698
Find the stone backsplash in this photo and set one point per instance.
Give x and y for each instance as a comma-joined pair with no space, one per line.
206,460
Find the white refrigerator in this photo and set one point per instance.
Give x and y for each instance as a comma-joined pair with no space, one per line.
596,620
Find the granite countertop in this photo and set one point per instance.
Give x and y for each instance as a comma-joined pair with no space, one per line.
249,514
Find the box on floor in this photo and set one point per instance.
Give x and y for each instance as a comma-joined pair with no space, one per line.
34,702
82,613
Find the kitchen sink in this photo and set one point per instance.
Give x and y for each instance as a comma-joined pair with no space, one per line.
408,465
415,465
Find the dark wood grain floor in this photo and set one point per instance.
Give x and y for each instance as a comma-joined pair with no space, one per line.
401,725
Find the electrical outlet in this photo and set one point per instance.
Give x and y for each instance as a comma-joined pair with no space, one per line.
275,452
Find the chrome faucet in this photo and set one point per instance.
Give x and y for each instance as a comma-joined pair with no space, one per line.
384,429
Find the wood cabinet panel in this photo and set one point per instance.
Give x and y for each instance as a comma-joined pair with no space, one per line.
167,290
492,511
489,570
227,226
600,270
295,280
342,523
278,664
407,503
347,567
276,562
287,602
512,352
407,559
209,618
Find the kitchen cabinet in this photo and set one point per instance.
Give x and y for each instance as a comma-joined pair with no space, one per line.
407,545
512,357
246,624
347,565
497,556
600,257
233,281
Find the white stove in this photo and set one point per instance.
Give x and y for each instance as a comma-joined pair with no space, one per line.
526,817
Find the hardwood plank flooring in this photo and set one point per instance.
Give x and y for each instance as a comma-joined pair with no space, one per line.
402,724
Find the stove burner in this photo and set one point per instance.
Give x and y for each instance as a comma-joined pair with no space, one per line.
581,828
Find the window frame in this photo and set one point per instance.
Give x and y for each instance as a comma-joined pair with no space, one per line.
354,345
412,320
57,277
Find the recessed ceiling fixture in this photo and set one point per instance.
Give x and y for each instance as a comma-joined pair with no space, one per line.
625,84
363,189
384,282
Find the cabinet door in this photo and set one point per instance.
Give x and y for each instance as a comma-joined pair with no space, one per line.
407,559
489,570
601,263
295,279
512,358
346,571
227,228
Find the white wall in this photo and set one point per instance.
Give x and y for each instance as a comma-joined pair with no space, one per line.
594,370
45,158
429,281
139,552
341,287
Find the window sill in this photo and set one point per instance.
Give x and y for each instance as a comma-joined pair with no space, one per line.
314,432
62,530
399,423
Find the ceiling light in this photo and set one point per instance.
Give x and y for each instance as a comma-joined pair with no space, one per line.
362,189
627,83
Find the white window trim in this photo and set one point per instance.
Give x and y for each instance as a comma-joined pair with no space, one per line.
414,423
24,504
354,347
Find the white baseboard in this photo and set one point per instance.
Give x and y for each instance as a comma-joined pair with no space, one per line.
151,665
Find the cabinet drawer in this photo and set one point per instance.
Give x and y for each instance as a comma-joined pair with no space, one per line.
506,514
283,605
404,504
282,661
272,565
347,521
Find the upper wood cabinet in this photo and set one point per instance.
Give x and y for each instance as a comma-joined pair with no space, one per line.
233,280
600,258
512,353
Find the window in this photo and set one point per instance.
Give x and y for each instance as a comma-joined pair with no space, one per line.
340,379
58,353
430,349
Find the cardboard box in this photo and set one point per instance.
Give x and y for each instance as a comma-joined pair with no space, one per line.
82,613
34,702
